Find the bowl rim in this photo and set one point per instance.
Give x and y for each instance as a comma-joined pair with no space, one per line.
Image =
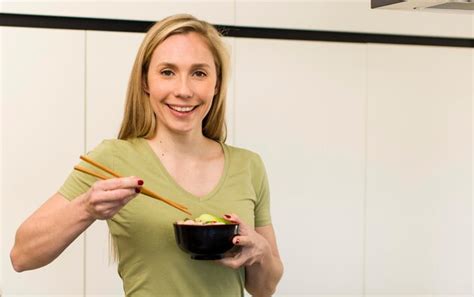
208,225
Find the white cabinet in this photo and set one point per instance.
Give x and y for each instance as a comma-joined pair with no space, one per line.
419,170
109,60
110,57
351,16
368,150
215,12
301,105
472,156
42,135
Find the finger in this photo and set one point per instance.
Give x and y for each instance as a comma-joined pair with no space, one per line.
123,182
117,195
108,213
233,262
114,203
233,252
127,200
243,228
233,218
108,209
118,183
249,262
241,240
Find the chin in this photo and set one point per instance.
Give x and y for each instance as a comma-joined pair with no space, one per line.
182,130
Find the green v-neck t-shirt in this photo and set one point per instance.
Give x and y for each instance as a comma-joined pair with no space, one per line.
149,261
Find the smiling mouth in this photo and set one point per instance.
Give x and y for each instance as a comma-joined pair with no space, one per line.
182,109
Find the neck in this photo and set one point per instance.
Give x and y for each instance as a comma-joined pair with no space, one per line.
188,144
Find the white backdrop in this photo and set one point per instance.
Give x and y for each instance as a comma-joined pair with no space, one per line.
368,147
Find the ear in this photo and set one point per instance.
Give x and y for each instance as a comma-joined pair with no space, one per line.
145,87
216,89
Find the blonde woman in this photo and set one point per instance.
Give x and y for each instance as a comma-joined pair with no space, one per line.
173,140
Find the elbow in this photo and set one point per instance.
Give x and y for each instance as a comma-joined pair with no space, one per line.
267,286
16,262
270,286
269,291
264,291
25,260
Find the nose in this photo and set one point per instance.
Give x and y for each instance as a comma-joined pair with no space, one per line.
183,89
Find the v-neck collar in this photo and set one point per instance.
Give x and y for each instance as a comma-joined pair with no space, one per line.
173,182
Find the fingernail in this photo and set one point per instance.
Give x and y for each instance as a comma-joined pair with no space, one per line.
137,190
227,216
237,241
140,182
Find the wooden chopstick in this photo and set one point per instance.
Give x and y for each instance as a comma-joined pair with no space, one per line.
144,191
87,171
92,162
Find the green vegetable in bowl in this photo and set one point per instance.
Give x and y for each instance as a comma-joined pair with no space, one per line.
206,219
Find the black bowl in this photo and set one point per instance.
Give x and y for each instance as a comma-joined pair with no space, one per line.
205,242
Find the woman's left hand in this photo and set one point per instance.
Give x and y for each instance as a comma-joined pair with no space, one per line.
253,246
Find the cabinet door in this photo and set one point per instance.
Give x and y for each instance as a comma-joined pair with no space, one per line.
42,136
351,16
215,12
419,170
301,106
472,157
110,57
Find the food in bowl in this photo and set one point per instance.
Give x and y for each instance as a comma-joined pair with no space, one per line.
205,238
204,219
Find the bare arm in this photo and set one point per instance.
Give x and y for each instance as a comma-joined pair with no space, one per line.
58,222
259,256
48,231
262,277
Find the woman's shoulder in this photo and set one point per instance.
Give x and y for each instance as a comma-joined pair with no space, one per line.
235,150
244,154
108,148
114,144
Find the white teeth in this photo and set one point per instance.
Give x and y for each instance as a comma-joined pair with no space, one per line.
182,108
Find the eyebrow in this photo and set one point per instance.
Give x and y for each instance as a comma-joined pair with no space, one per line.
196,65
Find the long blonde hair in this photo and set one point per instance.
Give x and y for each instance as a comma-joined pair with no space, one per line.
139,119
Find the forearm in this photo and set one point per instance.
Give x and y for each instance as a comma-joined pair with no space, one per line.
262,278
45,235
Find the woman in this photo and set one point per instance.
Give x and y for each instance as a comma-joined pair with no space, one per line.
171,139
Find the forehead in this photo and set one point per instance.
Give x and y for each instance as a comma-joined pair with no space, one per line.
188,47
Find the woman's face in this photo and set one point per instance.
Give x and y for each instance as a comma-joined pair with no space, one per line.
182,83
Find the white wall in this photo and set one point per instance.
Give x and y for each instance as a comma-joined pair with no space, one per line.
303,109
419,153
42,114
2,244
472,157
109,60
368,147
349,15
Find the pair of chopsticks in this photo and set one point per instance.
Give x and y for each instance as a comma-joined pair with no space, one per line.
144,190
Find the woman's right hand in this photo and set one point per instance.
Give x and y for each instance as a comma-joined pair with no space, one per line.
106,197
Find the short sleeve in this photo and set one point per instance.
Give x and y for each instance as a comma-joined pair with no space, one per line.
77,182
262,207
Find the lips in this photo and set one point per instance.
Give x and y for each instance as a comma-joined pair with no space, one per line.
182,109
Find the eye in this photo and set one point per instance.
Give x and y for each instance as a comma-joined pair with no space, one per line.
166,72
200,73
